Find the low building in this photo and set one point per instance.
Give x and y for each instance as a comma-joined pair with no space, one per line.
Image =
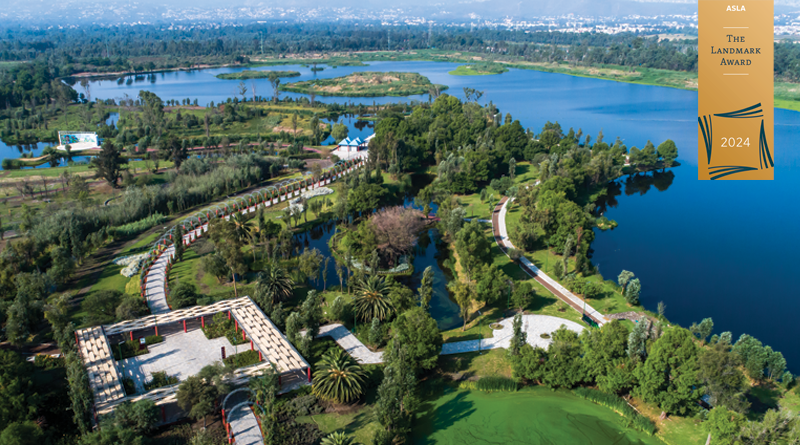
348,148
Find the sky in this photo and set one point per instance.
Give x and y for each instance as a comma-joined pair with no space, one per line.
100,11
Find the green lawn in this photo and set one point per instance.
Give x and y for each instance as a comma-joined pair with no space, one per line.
361,425
532,415
477,364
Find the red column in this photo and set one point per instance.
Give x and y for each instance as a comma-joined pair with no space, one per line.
309,374
259,357
156,329
131,335
203,321
236,325
229,315
223,416
251,346
77,343
184,325
244,335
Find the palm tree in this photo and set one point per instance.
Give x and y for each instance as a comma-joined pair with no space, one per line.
274,284
338,438
372,298
338,377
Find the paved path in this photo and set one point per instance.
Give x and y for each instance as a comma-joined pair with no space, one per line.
244,423
534,325
501,237
350,343
155,292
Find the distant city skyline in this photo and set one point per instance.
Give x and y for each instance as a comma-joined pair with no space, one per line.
66,13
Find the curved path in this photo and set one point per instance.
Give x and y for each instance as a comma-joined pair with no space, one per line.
533,325
501,237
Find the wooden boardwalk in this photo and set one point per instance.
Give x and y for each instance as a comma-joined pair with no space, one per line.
501,238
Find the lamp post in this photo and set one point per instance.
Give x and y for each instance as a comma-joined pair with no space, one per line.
480,325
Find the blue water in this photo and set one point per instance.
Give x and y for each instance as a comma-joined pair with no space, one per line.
707,249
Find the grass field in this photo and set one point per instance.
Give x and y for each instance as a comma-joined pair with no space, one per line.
532,415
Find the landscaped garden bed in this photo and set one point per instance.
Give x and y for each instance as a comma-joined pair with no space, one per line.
222,327
133,348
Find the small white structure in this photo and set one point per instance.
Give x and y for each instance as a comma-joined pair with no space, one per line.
349,148
77,140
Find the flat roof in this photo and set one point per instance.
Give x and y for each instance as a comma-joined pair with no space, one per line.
105,378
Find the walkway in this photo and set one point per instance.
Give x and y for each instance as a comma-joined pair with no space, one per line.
501,237
351,344
244,423
533,325
155,290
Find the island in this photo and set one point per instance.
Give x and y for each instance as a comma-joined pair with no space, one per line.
479,69
250,74
367,84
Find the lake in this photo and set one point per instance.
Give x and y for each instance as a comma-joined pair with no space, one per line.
719,249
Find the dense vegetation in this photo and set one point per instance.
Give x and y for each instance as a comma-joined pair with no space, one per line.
250,74
368,84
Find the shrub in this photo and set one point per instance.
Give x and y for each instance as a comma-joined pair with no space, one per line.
618,405
221,326
242,359
160,379
132,348
182,295
137,227
496,383
129,386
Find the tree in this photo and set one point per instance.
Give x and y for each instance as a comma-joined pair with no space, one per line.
337,308
632,292
178,242
464,295
722,379
604,348
275,81
624,278
108,163
492,283
22,433
668,152
338,377
101,306
339,132
754,355
512,168
472,246
274,284
139,416
182,294
637,342
702,330
375,333
197,394
16,389
397,400
723,426
416,336
312,314
522,295
670,374
426,288
396,230
519,338
372,299
563,368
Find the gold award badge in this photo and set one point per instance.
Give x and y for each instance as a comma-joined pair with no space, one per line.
735,89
